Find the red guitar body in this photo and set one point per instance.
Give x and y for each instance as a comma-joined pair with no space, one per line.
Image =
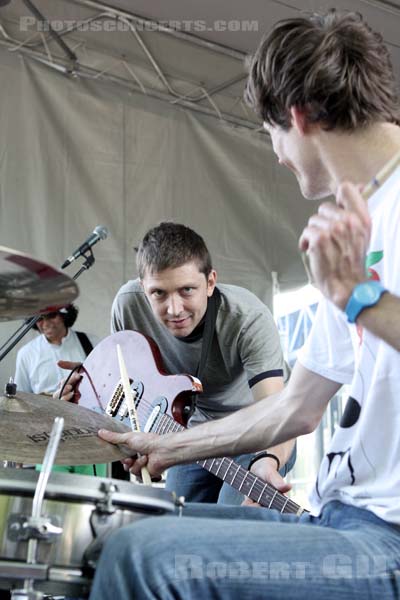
100,388
160,401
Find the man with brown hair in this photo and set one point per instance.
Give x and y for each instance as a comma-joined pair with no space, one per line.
221,333
324,87
173,301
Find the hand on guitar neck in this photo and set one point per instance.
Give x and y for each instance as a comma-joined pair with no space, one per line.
266,469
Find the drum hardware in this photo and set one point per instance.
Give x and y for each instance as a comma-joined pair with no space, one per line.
100,525
10,389
179,503
22,528
14,570
105,505
36,525
80,504
52,529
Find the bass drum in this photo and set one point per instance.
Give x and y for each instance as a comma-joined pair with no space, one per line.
80,513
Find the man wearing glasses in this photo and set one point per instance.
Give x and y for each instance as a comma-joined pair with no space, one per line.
37,370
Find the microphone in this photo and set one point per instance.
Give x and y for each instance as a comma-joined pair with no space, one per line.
99,233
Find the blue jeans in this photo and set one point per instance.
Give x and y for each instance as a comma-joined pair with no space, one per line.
198,485
236,553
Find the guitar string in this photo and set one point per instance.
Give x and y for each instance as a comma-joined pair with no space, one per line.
261,488
172,426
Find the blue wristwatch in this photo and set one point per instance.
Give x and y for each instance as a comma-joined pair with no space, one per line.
364,295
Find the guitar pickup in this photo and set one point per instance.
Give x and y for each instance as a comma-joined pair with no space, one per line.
117,406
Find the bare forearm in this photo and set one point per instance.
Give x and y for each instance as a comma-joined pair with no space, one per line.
383,319
242,432
269,387
224,437
282,451
269,422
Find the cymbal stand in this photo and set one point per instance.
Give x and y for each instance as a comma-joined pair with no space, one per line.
10,390
23,329
38,527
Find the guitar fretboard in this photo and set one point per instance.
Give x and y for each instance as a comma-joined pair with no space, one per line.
235,475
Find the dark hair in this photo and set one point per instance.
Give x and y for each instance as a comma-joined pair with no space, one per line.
334,66
68,313
170,245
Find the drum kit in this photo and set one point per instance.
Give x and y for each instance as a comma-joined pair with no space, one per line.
53,525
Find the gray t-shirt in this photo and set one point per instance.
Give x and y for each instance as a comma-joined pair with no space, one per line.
245,348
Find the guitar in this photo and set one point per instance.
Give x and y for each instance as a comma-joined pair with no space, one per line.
160,400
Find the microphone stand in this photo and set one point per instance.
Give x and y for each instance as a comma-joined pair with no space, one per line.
25,327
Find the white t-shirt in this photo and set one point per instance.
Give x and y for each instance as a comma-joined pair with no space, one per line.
362,466
37,370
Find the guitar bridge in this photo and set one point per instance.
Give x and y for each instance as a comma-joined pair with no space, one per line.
117,406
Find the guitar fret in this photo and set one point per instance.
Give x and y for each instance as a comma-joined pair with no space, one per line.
224,460
238,469
219,466
244,479
210,464
283,507
253,484
262,492
234,474
272,498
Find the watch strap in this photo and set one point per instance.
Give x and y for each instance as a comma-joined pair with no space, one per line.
364,295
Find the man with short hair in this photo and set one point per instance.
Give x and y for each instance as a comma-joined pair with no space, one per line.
325,89
170,302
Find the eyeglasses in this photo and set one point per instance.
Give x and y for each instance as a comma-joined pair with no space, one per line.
50,315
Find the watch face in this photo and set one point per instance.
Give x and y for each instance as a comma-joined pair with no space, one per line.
367,292
364,295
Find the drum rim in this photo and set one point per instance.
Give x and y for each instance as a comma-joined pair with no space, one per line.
60,489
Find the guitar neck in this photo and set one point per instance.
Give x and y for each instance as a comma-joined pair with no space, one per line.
235,475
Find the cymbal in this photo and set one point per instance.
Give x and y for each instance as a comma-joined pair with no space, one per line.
26,421
29,287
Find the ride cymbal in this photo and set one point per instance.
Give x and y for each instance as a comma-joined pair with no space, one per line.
29,287
26,421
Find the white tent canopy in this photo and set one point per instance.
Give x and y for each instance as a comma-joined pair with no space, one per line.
146,124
